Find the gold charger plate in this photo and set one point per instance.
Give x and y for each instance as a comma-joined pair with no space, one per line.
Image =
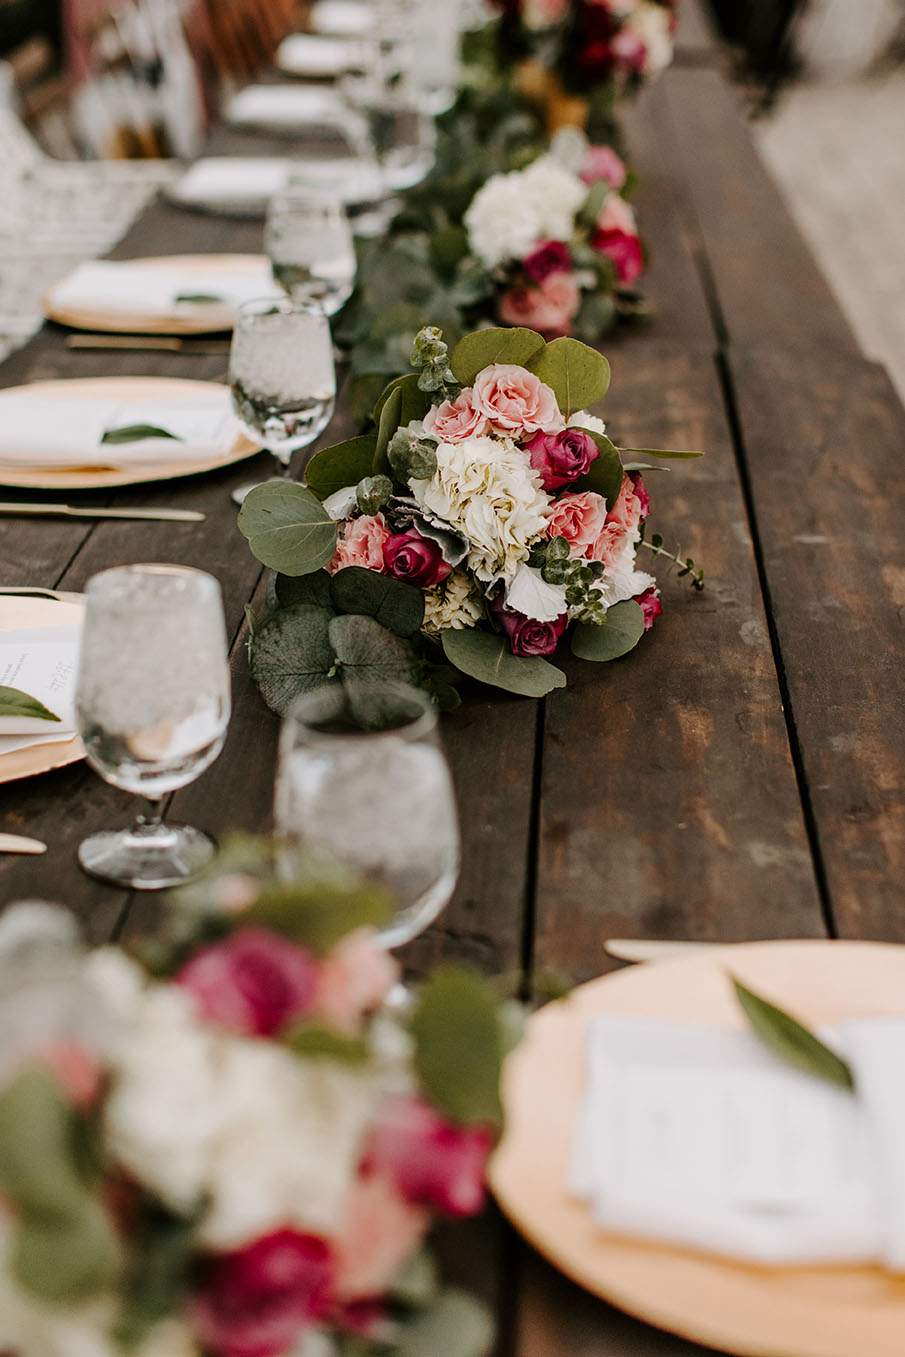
18,613
140,390
190,319
747,1310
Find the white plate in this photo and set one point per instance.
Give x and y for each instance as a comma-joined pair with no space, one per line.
314,55
17,613
285,108
235,185
748,1310
343,18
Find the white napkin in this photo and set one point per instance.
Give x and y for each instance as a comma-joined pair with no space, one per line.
42,662
700,1137
247,184
39,430
284,106
312,54
129,287
345,18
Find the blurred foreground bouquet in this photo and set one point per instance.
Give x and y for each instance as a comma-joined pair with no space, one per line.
231,1147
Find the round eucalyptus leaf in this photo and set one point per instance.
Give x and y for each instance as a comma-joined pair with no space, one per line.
287,528
485,656
291,653
620,633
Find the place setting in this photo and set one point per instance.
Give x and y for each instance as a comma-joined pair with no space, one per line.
39,645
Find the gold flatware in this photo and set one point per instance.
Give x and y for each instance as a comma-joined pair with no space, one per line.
70,511
653,949
166,343
17,843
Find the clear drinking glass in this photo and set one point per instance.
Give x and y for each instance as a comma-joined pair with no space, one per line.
282,375
309,242
389,119
379,800
152,705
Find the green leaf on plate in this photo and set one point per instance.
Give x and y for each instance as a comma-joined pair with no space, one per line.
134,433
578,374
455,1324
13,702
604,475
671,454
459,1046
287,528
344,464
199,298
496,345
291,653
485,656
393,604
620,633
791,1040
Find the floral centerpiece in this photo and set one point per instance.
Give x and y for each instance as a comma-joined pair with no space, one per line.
238,1152
489,516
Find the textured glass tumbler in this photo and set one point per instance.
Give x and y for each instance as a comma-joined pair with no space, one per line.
282,376
380,801
152,704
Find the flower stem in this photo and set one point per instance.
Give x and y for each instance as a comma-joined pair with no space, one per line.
685,563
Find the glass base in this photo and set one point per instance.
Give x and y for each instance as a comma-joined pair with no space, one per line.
146,856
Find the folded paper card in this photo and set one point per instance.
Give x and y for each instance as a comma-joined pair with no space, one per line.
312,54
229,182
701,1137
37,430
132,287
39,661
345,18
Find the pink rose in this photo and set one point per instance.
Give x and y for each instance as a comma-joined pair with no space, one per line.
258,1301
526,635
354,978
641,491
610,544
552,256
630,51
650,606
430,1160
602,162
75,1069
516,401
579,518
380,1229
361,543
455,420
561,457
254,983
549,308
627,509
616,236
415,559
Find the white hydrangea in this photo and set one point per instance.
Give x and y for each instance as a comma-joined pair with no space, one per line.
553,194
453,605
584,420
487,489
651,24
500,223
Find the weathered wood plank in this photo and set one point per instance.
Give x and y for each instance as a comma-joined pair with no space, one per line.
669,800
696,41
766,286
823,439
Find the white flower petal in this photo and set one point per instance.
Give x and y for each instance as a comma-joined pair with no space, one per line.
531,595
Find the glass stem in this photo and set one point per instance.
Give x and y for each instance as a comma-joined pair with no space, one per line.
152,818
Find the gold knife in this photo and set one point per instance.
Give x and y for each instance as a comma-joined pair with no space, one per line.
70,511
653,949
17,843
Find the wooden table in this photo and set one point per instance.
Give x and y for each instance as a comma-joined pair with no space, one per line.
739,775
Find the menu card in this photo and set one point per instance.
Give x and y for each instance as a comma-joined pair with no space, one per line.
42,662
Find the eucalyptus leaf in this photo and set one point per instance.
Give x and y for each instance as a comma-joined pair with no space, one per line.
135,433
369,652
292,589
604,475
390,418
455,1324
448,247
372,493
416,1283
791,1040
485,656
496,345
413,402
320,914
620,633
37,1167
593,204
315,1041
287,528
343,464
66,1259
670,454
152,1291
459,1046
393,604
291,653
578,375
644,466
13,702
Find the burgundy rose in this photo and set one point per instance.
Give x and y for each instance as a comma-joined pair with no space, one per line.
594,31
415,559
431,1160
258,1301
526,635
550,257
641,494
561,457
254,983
650,606
624,249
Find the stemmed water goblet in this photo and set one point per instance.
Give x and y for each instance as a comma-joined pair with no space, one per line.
374,794
308,240
282,377
152,706
388,119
